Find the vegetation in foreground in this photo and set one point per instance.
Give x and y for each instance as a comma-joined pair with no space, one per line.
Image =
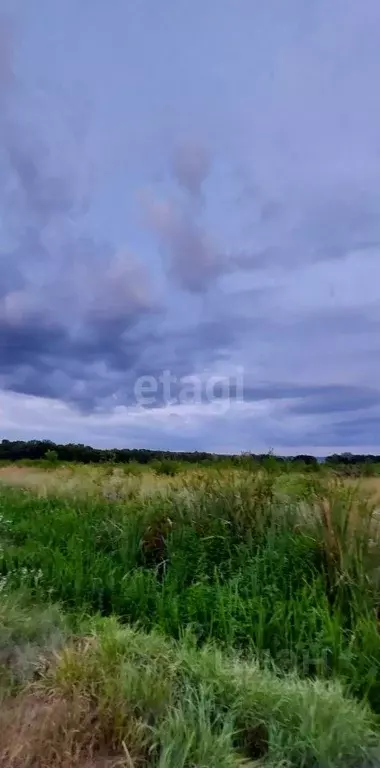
222,618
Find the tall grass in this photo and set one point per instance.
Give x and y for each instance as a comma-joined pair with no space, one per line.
169,704
288,577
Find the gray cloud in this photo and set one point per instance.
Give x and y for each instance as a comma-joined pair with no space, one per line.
5,52
191,165
192,258
67,302
335,399
359,432
329,227
281,279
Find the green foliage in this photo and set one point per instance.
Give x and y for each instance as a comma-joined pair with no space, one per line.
51,456
234,559
132,468
165,467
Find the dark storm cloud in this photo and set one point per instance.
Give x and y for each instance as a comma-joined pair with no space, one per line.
80,322
67,303
24,343
267,280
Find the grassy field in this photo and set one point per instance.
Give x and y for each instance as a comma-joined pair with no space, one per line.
210,618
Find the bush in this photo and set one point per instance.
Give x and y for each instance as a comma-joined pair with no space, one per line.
133,468
51,457
165,467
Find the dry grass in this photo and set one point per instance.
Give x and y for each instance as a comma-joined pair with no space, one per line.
111,483
369,486
90,479
39,731
83,481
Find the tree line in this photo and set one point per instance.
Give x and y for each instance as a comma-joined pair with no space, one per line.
37,450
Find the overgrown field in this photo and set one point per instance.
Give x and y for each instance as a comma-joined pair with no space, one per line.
206,619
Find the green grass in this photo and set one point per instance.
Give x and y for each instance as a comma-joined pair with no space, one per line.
277,570
170,704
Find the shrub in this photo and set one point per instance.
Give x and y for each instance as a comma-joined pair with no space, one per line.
51,457
165,467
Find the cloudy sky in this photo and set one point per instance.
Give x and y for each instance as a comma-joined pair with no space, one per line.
191,188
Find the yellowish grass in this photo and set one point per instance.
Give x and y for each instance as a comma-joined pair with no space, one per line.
110,482
39,731
367,485
83,481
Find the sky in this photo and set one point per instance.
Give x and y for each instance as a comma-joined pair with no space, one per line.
190,224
